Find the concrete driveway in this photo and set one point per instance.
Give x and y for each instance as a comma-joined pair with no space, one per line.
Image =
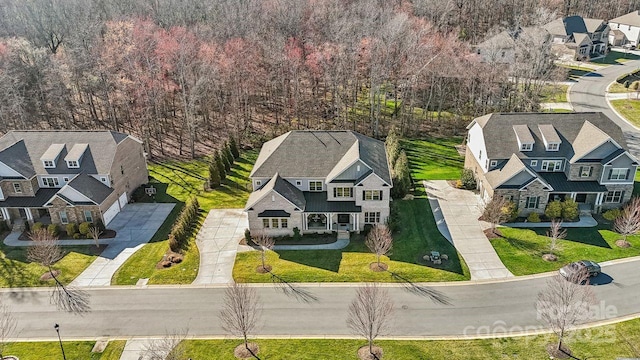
135,225
217,241
456,212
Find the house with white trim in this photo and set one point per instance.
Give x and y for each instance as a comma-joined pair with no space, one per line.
319,181
68,176
629,26
534,158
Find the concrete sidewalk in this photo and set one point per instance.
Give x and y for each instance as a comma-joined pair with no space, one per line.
135,225
217,241
456,213
557,105
135,349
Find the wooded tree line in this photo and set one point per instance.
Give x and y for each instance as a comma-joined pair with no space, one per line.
183,74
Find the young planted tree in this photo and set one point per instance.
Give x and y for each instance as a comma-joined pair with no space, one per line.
401,176
370,315
234,147
7,327
166,348
555,233
240,315
628,223
225,159
217,158
214,175
94,232
379,241
564,303
227,153
497,211
265,242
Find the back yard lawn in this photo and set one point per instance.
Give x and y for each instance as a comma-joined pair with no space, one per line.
434,158
177,182
521,250
418,236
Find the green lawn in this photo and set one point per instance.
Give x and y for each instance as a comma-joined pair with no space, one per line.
615,58
177,182
575,72
618,88
418,235
554,93
74,350
606,342
564,111
433,158
630,109
17,271
521,250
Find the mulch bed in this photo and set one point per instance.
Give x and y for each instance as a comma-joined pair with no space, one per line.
241,352
169,259
107,234
364,354
490,234
549,257
374,266
307,240
263,269
552,350
623,244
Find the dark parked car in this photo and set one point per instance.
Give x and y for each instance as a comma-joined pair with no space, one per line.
575,269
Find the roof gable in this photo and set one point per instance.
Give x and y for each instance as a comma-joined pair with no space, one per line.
280,186
588,139
632,18
90,187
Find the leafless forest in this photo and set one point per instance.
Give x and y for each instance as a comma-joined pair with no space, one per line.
182,75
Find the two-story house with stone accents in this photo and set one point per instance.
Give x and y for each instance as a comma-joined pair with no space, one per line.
578,38
534,158
68,176
319,181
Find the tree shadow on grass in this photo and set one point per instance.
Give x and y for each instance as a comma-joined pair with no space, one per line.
321,259
587,236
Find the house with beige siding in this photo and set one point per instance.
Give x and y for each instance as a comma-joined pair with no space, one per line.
68,176
534,158
319,181
578,38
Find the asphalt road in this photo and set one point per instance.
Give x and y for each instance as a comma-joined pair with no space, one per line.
474,309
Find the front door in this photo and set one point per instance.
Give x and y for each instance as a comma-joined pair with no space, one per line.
581,198
343,218
23,213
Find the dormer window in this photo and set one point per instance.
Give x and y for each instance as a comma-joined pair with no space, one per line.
524,137
526,147
550,137
553,147
50,157
48,164
72,164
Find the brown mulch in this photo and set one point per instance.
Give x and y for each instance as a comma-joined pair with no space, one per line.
374,266
552,350
493,235
549,257
241,352
107,234
364,354
623,244
169,259
47,276
263,269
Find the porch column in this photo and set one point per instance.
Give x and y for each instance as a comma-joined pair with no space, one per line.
29,214
5,213
573,196
330,221
599,198
304,221
328,225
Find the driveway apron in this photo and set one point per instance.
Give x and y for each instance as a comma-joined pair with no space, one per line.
456,212
217,241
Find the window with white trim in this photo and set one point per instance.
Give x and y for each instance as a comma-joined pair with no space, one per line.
534,162
50,181
63,217
315,185
618,174
372,194
72,164
265,223
17,187
614,196
553,147
551,165
372,217
49,164
526,147
494,163
274,223
298,182
343,192
284,223
586,171
258,182
532,202
88,216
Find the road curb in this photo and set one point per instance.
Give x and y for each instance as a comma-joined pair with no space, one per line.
616,111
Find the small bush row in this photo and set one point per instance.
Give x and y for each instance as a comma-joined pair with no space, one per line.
221,161
184,225
72,229
567,210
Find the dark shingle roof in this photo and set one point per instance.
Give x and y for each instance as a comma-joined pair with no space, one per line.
41,198
282,187
90,187
317,202
274,213
559,183
33,144
502,143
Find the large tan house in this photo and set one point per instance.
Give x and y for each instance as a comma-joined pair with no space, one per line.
534,158
319,181
68,176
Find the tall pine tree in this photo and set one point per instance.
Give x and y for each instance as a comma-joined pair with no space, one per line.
220,165
234,147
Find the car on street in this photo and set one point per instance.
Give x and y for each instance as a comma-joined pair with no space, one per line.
573,270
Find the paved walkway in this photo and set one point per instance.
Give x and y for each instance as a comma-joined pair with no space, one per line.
458,211
217,241
135,225
585,221
135,349
557,105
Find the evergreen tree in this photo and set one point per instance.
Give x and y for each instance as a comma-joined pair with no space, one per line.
401,177
214,175
234,147
226,152
220,165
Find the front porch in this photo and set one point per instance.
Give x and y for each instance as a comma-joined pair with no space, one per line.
329,221
588,202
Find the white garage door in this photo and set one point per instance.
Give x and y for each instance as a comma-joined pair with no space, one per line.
123,200
113,210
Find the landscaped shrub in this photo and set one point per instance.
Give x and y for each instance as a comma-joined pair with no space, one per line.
392,145
227,156
247,236
76,236
217,158
553,210
533,217
27,226
99,224
184,225
53,229
296,234
214,175
234,147
37,226
393,221
401,177
611,214
71,229
569,209
84,228
468,179
173,243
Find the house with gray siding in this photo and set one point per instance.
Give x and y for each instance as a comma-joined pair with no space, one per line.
319,181
535,158
68,176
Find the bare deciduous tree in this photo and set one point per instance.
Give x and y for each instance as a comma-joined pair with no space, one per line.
46,252
555,233
166,348
379,241
7,327
265,242
628,223
565,303
95,233
370,313
497,211
240,313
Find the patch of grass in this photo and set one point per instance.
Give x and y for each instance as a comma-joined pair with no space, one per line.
554,93
50,350
521,250
17,271
434,158
617,88
619,342
629,109
563,111
418,236
615,58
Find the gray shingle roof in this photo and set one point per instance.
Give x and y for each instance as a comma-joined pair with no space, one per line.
632,18
23,150
317,202
513,167
282,187
574,24
90,187
314,154
559,183
502,143
38,201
